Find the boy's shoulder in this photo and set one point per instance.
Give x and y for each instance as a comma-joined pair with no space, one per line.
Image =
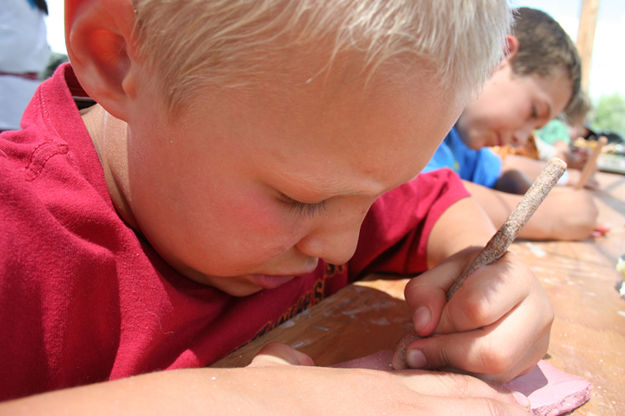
479,166
53,143
52,182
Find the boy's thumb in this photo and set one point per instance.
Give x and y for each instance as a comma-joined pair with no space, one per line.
275,354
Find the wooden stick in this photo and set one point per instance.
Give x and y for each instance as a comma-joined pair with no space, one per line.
499,243
591,164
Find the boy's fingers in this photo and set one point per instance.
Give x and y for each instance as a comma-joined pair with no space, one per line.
426,294
490,293
280,354
427,310
461,386
481,351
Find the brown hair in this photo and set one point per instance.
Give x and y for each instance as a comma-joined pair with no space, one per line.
577,110
544,48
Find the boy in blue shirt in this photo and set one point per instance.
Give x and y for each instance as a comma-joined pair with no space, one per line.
536,81
478,166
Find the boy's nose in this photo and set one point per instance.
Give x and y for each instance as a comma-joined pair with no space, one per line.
333,240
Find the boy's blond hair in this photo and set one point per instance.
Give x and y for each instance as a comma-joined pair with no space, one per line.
193,43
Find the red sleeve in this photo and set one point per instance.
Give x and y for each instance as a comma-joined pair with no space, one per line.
395,232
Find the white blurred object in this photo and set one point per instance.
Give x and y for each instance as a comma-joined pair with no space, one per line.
24,51
620,267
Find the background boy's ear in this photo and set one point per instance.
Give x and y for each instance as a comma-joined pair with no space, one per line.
98,37
511,49
512,46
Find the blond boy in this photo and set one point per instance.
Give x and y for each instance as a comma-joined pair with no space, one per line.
228,178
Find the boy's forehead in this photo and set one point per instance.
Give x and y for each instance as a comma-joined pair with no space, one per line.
383,126
296,68
310,95
344,96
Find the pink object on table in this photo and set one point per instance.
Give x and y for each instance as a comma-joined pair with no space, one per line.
551,392
600,230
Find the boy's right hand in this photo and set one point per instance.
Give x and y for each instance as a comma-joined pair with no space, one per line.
283,381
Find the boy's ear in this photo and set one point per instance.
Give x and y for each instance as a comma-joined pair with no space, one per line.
98,34
510,51
512,46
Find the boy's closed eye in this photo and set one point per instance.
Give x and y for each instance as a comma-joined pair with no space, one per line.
540,114
534,112
302,208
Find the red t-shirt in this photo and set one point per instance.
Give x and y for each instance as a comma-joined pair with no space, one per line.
85,299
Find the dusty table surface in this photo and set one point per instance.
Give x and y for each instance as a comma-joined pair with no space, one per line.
588,335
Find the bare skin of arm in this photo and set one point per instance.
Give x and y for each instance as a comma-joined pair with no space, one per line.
566,214
280,381
467,223
532,168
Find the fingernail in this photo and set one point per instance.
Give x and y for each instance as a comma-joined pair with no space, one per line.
422,317
521,399
415,359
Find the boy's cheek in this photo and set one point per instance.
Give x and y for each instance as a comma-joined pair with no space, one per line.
259,238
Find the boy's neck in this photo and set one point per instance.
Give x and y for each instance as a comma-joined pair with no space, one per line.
109,135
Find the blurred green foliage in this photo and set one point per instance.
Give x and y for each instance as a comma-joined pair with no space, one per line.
609,114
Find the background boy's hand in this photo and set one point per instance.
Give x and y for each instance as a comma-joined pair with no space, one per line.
575,175
568,214
496,326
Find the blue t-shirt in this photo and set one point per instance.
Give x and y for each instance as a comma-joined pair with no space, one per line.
479,166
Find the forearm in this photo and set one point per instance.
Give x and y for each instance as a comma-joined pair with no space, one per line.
532,168
498,205
462,225
529,167
171,392
564,215
273,386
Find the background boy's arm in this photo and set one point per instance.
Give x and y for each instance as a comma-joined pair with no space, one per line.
532,168
566,214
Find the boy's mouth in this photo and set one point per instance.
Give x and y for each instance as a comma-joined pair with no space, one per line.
269,282
498,140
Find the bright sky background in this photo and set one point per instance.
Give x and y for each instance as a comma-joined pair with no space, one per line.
607,74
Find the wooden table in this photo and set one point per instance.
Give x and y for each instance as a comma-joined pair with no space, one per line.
588,335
